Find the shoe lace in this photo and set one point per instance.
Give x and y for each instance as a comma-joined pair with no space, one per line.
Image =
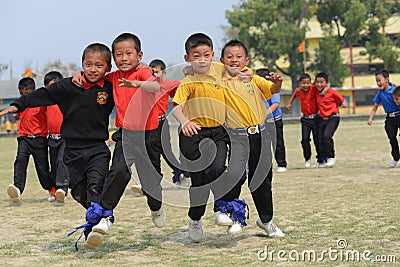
195,225
272,226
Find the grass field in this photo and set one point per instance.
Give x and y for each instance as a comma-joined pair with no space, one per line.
337,213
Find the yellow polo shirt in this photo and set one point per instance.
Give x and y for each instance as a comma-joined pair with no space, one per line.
202,97
245,101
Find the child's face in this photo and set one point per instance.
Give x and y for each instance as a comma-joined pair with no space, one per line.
382,82
157,71
235,59
200,57
321,83
25,91
95,66
396,99
125,56
305,84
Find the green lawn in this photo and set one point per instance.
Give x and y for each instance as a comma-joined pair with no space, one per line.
337,213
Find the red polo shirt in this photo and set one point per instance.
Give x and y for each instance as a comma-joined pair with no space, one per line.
308,100
329,103
54,119
33,121
136,108
167,89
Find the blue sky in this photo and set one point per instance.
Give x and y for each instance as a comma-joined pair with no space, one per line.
34,33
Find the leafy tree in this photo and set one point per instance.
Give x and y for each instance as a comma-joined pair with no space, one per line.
328,60
271,29
361,16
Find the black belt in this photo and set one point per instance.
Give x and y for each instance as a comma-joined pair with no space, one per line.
331,116
249,130
393,114
312,116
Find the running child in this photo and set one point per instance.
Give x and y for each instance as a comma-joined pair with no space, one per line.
306,93
86,114
32,140
328,101
249,140
58,171
386,97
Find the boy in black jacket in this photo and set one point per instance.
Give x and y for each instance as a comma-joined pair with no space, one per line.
86,114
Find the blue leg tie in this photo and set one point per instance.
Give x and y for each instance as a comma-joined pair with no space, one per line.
93,217
177,174
237,207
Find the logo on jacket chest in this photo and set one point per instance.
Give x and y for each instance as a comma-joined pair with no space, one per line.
102,98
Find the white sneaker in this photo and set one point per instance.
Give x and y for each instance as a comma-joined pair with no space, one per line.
235,228
51,198
14,193
393,163
330,162
271,229
93,240
222,219
195,231
60,195
103,227
158,217
281,169
137,188
322,165
307,164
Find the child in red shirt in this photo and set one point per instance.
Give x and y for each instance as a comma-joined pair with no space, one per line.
59,172
306,93
328,101
32,140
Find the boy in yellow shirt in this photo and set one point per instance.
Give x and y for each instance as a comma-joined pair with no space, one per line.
250,142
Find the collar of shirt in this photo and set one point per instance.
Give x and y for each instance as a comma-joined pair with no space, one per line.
87,85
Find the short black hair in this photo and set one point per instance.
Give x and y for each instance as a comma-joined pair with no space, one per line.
322,75
197,39
396,91
384,73
26,82
157,63
304,76
100,48
235,43
50,76
262,72
126,36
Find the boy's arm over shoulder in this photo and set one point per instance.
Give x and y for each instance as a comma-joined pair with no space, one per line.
264,85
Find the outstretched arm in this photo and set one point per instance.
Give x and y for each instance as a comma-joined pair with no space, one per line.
149,86
11,109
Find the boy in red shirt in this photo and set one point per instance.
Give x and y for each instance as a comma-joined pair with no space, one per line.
59,172
306,93
31,141
328,101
